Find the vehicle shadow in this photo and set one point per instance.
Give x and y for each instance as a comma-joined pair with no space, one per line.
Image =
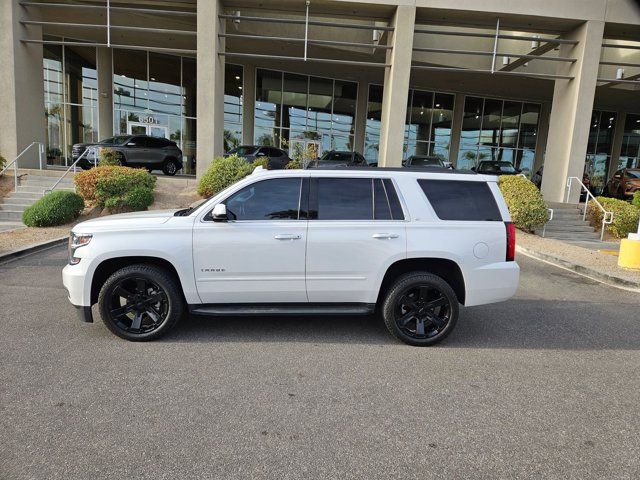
518,323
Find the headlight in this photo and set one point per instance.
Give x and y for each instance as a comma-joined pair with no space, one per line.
76,241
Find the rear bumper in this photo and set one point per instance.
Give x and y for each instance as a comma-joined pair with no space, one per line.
492,283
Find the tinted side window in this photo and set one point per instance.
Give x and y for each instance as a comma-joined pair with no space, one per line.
155,142
460,200
394,201
274,152
345,199
273,199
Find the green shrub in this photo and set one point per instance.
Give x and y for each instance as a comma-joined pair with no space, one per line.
636,199
55,208
87,181
222,172
3,162
526,205
260,162
125,190
625,216
293,164
108,157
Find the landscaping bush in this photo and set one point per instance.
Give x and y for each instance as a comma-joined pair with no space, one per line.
293,164
222,172
125,190
87,181
625,216
3,162
636,199
526,205
260,162
108,157
55,208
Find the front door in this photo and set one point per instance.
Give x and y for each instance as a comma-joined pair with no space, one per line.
258,255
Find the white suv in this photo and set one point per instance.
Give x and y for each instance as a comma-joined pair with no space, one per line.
407,244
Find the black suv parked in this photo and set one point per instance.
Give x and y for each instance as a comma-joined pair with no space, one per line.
340,158
152,153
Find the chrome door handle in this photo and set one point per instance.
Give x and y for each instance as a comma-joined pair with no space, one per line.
287,236
385,236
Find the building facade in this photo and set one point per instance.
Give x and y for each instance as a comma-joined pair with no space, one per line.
530,82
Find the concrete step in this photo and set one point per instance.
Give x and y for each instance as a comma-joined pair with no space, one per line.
18,201
573,236
51,173
40,188
25,195
14,207
569,228
6,226
10,215
567,223
46,183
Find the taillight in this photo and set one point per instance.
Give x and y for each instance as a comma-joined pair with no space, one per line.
511,241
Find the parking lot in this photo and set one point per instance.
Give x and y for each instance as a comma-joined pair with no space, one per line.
546,385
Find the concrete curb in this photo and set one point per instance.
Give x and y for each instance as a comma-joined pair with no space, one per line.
35,248
581,269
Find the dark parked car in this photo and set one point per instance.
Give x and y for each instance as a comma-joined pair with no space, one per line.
340,158
425,161
277,158
152,153
624,183
496,167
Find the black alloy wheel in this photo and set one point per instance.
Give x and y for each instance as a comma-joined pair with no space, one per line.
170,167
420,309
140,302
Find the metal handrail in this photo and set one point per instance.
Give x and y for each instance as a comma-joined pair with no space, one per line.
544,228
72,166
607,217
14,162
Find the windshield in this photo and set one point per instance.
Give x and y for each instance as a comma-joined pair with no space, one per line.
242,151
506,167
633,173
119,140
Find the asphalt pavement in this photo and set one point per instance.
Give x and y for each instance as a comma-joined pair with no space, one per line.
546,385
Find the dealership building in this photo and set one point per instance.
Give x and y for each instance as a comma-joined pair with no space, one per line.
531,82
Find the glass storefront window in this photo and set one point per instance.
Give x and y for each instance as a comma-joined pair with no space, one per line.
294,111
233,92
70,99
599,149
630,154
498,130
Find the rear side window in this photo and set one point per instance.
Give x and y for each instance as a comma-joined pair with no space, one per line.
345,199
354,199
460,200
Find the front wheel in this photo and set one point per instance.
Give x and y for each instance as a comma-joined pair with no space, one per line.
420,309
140,302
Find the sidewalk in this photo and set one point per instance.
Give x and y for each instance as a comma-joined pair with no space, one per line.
592,263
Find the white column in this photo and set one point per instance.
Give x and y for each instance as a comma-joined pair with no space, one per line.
396,87
571,112
210,103
361,116
248,103
104,66
22,118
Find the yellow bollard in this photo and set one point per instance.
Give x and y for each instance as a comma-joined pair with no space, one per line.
630,252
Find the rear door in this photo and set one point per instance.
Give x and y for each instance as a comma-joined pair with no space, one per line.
356,230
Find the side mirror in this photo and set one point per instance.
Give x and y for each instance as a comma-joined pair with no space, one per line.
219,213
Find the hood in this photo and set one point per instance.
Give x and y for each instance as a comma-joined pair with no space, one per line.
126,221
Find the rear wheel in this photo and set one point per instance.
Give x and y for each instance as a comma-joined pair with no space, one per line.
170,167
420,309
140,302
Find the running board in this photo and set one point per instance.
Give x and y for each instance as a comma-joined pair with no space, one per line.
222,309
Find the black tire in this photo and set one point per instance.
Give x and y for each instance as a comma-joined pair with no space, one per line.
170,167
130,293
434,305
